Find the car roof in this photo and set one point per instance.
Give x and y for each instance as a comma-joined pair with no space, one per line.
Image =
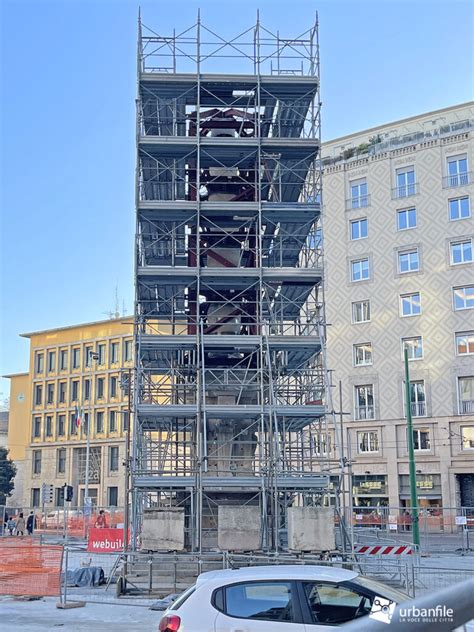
283,571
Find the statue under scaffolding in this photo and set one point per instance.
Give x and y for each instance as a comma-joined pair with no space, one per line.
231,386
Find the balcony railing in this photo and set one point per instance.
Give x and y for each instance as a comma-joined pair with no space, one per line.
418,409
467,407
457,180
405,190
361,201
364,412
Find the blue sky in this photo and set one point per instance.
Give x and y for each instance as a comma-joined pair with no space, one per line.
68,85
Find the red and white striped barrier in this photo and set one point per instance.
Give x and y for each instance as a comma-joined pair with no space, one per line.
384,550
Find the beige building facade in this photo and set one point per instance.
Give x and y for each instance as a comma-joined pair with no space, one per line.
399,234
50,408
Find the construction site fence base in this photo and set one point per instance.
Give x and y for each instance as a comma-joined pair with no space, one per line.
143,578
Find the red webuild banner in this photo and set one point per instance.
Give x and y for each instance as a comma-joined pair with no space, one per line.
105,540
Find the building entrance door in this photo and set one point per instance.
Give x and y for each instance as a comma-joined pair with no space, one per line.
466,487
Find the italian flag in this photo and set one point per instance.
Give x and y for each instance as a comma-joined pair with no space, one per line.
79,416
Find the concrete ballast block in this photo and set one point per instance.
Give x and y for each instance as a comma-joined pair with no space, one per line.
239,528
163,530
311,529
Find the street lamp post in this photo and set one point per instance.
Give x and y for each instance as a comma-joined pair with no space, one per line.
93,358
411,456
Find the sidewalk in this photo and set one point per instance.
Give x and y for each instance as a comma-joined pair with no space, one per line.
42,616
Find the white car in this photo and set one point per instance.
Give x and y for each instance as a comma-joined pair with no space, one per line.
272,598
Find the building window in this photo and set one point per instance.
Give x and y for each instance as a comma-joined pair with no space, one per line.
112,496
39,363
417,398
61,461
114,352
361,312
408,261
76,358
72,424
61,425
364,402
467,436
74,390
87,389
49,426
36,461
362,354
87,360
459,208
414,347
101,352
425,483
99,422
100,388
405,182
85,422
50,394
51,361
113,458
421,439
112,421
463,297
410,304
466,395
359,229
461,251
465,343
125,420
63,360
38,395
359,194
62,392
458,174
368,441
113,386
36,427
369,485
35,497
406,219
127,351
360,270
322,444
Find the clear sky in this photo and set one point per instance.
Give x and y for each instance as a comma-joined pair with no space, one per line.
68,148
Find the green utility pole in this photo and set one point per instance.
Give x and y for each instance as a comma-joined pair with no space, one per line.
411,456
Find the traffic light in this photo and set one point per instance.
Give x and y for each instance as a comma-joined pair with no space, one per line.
61,495
69,492
47,493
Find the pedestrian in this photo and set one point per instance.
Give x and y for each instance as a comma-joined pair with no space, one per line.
11,524
101,522
30,523
20,525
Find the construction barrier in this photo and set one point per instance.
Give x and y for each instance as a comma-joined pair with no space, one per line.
30,569
105,540
57,520
384,550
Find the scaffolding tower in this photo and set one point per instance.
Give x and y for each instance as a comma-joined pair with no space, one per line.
231,390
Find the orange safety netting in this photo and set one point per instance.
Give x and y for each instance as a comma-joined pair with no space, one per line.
29,568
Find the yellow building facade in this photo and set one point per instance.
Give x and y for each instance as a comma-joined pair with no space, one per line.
76,374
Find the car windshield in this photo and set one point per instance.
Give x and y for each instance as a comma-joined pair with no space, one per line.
381,589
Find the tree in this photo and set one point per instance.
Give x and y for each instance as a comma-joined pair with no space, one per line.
7,474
